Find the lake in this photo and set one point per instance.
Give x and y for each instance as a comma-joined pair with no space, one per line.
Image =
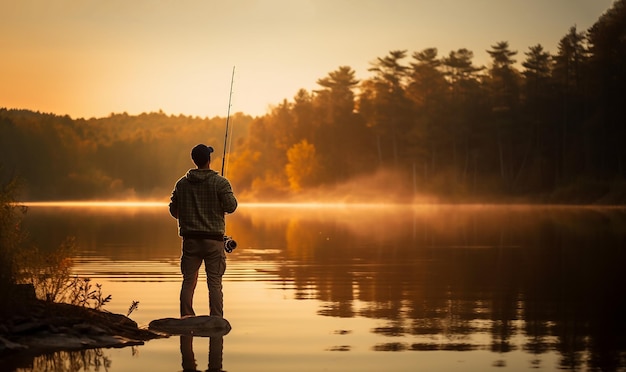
322,287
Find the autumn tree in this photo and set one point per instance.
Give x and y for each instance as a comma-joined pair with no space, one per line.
264,150
302,166
305,116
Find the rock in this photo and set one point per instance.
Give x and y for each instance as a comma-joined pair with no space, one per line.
70,342
30,326
50,327
202,325
8,346
90,329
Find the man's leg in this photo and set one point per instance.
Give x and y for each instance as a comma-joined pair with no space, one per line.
189,265
215,265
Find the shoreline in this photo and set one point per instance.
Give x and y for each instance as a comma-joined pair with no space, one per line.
35,327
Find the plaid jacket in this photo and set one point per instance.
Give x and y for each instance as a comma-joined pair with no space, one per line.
199,201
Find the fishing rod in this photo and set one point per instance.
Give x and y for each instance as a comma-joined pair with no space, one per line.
229,242
230,96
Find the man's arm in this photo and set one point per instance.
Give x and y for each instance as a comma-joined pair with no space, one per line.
174,204
227,197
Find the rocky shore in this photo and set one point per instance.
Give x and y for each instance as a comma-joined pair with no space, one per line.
34,327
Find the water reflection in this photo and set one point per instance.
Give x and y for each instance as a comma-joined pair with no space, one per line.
62,361
465,278
502,280
216,346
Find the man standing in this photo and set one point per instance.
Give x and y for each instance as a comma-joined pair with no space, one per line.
199,201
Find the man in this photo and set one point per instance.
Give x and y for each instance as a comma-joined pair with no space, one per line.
199,201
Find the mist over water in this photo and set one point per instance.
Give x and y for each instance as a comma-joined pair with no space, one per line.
364,287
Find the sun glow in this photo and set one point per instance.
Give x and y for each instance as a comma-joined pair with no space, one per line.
152,203
313,205
97,204
167,61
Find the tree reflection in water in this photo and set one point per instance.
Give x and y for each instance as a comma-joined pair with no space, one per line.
69,361
450,275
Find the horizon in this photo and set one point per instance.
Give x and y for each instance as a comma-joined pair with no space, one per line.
92,60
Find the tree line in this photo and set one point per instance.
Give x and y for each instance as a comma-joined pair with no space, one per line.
533,124
552,127
119,156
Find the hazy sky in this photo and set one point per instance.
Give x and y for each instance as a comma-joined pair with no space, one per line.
89,58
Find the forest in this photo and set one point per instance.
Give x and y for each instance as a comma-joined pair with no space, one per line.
533,126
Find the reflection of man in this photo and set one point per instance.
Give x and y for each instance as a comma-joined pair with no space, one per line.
199,201
186,352
216,346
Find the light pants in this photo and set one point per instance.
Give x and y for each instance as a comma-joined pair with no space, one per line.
211,252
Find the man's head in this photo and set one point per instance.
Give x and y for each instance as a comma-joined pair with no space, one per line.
201,155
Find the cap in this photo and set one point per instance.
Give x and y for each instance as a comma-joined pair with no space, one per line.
201,154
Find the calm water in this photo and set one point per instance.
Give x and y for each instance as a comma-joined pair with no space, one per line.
366,288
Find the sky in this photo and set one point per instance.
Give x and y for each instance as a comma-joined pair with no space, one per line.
91,58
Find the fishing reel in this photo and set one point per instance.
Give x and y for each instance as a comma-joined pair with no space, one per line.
229,244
